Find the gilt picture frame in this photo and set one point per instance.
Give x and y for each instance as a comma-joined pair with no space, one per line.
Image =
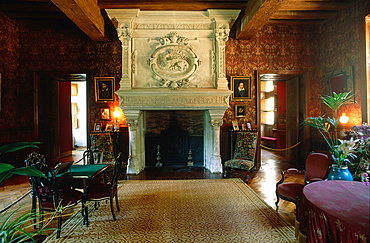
241,87
104,89
240,111
104,114
340,81
109,127
97,127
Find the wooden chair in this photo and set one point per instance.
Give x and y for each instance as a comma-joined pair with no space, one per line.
244,155
107,191
92,156
50,196
316,169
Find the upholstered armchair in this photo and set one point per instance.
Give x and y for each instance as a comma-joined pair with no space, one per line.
244,157
316,169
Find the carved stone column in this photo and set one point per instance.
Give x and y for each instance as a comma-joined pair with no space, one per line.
125,19
124,34
132,118
216,162
221,35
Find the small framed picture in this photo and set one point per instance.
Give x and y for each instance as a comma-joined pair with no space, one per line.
105,114
241,87
104,89
97,127
235,125
240,111
109,127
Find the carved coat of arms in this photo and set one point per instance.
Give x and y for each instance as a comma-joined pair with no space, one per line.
173,62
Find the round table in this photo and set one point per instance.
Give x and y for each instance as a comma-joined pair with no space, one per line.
338,211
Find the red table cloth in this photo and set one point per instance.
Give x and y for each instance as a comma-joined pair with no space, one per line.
337,211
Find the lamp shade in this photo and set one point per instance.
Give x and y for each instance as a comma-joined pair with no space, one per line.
343,119
116,113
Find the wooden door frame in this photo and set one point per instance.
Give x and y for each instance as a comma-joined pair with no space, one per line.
38,98
303,99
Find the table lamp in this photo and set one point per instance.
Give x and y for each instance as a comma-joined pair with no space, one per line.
343,119
116,114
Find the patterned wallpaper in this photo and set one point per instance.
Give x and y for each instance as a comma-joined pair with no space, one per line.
342,45
273,48
314,49
61,46
9,66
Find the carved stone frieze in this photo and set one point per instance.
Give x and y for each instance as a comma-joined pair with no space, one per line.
173,101
173,26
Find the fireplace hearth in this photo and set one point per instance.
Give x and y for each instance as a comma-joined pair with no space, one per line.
177,133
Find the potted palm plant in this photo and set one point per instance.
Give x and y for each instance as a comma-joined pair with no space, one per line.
328,129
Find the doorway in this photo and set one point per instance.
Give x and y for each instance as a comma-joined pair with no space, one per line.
281,108
56,117
79,122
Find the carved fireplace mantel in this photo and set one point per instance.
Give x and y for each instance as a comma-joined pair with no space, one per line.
173,60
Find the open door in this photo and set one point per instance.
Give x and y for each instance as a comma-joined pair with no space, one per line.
53,115
295,107
292,119
47,111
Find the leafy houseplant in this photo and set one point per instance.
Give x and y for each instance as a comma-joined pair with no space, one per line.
7,170
328,127
360,135
15,229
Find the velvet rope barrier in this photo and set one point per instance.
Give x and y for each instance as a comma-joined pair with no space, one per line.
284,149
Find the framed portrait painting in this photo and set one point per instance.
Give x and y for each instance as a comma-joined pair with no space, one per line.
104,89
241,87
240,111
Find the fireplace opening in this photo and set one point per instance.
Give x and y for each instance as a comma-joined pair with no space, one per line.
179,133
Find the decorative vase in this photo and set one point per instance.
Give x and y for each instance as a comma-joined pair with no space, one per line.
339,173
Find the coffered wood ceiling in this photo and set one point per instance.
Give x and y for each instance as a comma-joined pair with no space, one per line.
88,15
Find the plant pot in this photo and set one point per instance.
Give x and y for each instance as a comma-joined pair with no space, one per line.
339,173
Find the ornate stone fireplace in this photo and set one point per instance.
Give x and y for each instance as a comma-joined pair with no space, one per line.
173,60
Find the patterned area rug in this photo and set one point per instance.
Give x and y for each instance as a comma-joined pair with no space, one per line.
205,210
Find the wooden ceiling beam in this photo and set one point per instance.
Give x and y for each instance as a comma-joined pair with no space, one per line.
295,22
173,6
313,5
303,15
256,15
86,15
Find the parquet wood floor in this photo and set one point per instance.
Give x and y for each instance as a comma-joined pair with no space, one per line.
263,183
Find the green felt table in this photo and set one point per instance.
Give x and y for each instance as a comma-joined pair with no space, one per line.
86,171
